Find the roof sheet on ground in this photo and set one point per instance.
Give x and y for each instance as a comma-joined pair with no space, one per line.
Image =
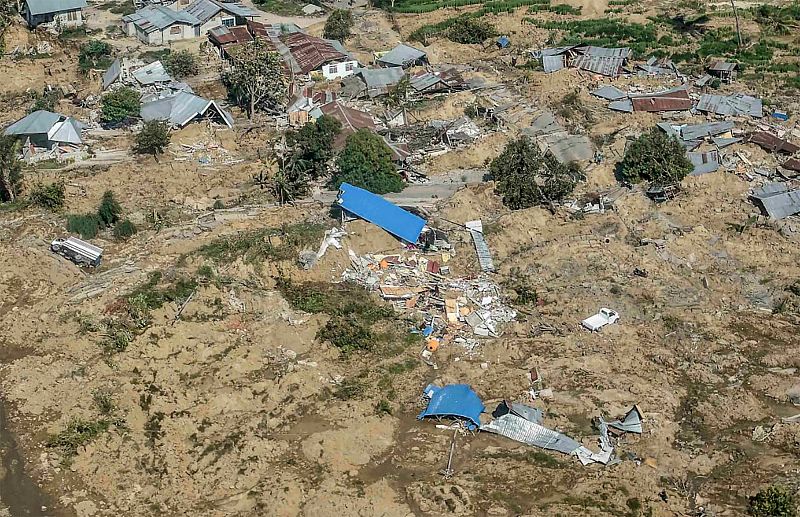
380,212
453,400
402,55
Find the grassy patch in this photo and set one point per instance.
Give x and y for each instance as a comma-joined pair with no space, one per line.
282,243
77,434
284,7
608,32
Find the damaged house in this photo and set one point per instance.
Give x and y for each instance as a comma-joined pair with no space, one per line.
53,13
182,108
47,135
403,56
725,71
372,82
308,55
737,105
598,60
215,13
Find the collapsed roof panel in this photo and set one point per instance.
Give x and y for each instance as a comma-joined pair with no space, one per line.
112,74
609,93
776,200
402,55
380,212
182,108
704,163
772,143
736,105
453,400
553,63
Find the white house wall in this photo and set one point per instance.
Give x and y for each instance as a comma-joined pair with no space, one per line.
216,21
339,70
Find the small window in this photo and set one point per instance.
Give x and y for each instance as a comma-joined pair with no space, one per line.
333,69
175,30
348,67
229,22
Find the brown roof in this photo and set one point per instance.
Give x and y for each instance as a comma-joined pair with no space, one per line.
259,30
668,101
311,53
771,142
231,35
792,164
352,120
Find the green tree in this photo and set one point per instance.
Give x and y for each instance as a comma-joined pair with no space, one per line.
366,162
471,31
10,169
153,138
181,64
8,10
256,79
311,147
525,177
109,210
775,501
338,25
49,196
655,157
94,54
120,105
124,230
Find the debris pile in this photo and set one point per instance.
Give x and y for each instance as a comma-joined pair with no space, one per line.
206,154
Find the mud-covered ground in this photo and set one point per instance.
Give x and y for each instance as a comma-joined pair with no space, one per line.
183,378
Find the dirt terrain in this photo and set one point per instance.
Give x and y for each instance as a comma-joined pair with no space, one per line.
181,377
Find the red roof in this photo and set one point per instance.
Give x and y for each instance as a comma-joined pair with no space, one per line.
231,35
311,53
668,101
352,120
771,142
792,164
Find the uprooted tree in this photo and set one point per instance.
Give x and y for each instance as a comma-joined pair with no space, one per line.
655,157
366,162
10,169
256,80
525,177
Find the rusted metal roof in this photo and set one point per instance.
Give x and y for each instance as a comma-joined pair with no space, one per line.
772,143
352,120
227,35
610,66
723,66
672,100
311,53
792,164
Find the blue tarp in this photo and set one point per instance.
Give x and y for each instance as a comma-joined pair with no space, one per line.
503,41
453,400
376,210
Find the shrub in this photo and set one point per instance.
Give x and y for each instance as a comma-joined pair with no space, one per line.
10,169
78,433
85,225
471,31
153,138
526,178
181,64
109,210
47,100
119,105
49,196
366,162
338,25
775,501
655,157
94,54
124,230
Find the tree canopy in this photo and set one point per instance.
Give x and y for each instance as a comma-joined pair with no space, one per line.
120,105
471,31
181,64
109,210
312,145
338,25
153,138
256,80
655,157
366,162
10,169
525,177
94,54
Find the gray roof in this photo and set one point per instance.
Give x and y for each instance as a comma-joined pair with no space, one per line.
112,74
704,162
553,63
378,78
723,66
38,122
736,104
151,74
204,10
703,80
182,108
618,52
631,422
776,200
625,105
544,124
402,55
725,142
610,93
53,6
157,17
570,148
609,66
424,81
698,131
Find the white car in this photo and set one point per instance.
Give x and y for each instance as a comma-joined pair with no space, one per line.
604,317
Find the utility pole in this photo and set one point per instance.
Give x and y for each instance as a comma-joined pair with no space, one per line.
736,15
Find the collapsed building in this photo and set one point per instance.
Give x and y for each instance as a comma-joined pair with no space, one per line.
47,135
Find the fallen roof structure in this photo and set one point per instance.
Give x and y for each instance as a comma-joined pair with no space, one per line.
377,81
792,164
376,210
623,105
521,410
609,93
481,247
630,423
569,148
151,74
655,67
599,60
182,108
112,74
698,131
544,124
772,143
737,104
403,55
453,401
552,64
351,119
675,99
776,200
432,82
704,162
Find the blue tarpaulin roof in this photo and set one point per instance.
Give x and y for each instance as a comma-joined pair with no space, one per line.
503,41
376,210
453,400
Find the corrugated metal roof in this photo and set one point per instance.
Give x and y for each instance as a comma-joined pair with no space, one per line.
381,78
570,148
531,433
553,63
725,142
703,80
736,104
617,52
352,119
604,65
158,17
37,7
112,74
182,108
624,105
697,131
66,131
544,124
772,143
312,53
676,99
402,55
792,164
38,122
610,93
776,200
384,214
204,10
723,66
229,35
151,74
704,162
